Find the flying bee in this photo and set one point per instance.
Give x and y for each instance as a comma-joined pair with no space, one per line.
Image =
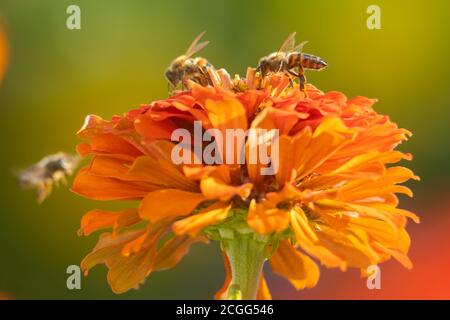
288,58
51,169
185,67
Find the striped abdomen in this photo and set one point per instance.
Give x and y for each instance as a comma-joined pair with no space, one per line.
312,62
308,61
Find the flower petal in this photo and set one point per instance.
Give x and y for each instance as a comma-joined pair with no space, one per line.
213,188
290,263
263,290
266,220
104,188
160,172
206,217
161,204
223,291
108,247
98,219
174,250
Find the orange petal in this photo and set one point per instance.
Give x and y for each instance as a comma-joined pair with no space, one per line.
291,153
382,137
225,114
399,256
104,188
108,247
206,217
352,246
323,254
150,129
383,157
330,136
3,53
173,251
383,233
110,168
98,219
223,291
290,263
213,188
83,149
166,203
135,261
364,189
264,220
128,272
160,172
263,290
112,145
299,220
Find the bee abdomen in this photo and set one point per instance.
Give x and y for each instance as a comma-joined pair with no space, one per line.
310,61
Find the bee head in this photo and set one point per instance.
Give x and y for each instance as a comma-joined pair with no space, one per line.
263,66
172,76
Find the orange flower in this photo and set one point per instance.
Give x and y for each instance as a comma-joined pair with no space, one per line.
332,200
3,53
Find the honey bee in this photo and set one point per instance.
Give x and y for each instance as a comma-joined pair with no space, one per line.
290,57
51,169
185,67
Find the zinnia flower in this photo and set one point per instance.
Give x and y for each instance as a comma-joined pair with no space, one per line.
3,52
332,201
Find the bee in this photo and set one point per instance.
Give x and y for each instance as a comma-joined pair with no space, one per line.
185,67
290,57
51,169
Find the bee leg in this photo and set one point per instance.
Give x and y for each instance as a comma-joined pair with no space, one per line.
302,78
292,73
291,82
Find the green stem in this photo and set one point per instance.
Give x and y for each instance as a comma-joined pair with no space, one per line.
247,256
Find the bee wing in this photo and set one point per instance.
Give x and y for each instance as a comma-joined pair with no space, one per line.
29,177
195,46
300,46
288,44
196,49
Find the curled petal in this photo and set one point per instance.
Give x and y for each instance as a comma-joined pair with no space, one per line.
99,219
290,263
206,217
213,188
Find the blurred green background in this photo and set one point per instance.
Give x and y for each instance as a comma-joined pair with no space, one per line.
116,61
